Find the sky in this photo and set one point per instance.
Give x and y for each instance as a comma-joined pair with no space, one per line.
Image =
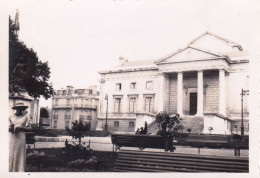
78,38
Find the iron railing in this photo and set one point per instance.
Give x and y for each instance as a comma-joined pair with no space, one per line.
108,146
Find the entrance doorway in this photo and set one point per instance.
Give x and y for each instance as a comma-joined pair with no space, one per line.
193,103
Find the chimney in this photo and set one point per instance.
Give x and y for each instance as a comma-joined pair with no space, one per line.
122,60
70,87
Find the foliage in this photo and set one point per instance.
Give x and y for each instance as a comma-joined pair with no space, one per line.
81,163
35,154
78,130
58,159
189,130
169,125
41,131
26,71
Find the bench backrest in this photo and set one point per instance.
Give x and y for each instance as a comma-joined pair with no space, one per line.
144,161
145,141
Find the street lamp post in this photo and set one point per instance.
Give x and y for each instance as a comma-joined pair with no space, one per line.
243,92
106,98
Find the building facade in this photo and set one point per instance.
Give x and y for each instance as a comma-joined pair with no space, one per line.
69,105
202,82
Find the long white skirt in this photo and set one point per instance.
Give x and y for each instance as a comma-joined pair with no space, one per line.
17,152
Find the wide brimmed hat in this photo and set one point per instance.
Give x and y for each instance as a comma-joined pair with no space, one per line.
20,106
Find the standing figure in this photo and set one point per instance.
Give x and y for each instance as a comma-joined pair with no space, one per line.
145,127
19,124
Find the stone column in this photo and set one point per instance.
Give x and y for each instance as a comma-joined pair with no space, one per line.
200,94
179,93
161,93
222,92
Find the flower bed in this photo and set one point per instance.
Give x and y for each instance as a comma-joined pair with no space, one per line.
62,160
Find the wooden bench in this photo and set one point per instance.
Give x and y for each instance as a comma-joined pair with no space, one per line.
144,161
209,140
142,141
30,137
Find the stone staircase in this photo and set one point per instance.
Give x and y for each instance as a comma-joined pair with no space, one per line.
196,124
152,128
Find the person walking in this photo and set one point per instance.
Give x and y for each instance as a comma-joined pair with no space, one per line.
19,124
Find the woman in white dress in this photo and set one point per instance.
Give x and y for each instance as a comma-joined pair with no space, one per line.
19,124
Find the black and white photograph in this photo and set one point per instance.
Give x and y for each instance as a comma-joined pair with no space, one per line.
119,87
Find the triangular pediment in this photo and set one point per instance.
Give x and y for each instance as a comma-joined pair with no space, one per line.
213,42
189,54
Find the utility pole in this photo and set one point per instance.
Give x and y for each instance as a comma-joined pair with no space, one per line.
106,98
243,92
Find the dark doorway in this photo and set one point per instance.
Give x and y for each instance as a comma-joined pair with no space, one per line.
193,103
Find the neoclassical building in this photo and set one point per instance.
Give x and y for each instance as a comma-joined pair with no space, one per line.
70,104
202,82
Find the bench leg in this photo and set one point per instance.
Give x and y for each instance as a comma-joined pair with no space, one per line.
117,148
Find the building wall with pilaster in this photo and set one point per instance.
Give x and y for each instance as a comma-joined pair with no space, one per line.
125,79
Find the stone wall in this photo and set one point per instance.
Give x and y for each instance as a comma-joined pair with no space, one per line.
123,125
211,96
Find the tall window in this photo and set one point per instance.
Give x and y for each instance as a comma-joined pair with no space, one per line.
67,114
55,124
118,86
59,92
90,92
131,124
117,105
67,124
64,92
132,104
55,115
133,86
82,102
149,85
56,102
149,104
116,124
68,102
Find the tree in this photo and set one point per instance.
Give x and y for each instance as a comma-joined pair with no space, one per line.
169,125
78,130
26,71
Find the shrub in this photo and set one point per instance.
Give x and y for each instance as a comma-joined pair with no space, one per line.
78,130
169,125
